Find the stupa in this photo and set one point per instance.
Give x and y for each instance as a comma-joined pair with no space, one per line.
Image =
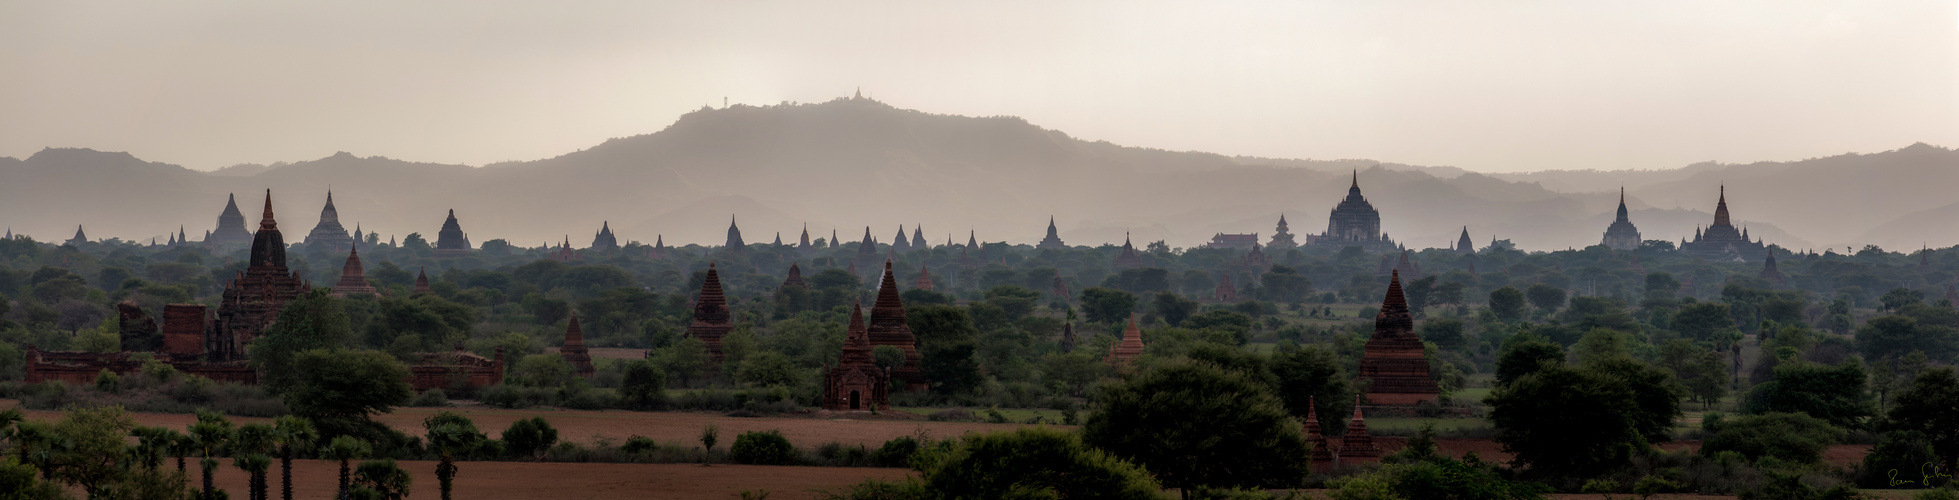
1128,258
1357,446
604,240
887,327
856,383
1053,239
1394,365
1128,347
574,351
231,228
712,321
1621,235
252,300
329,234
353,279
450,242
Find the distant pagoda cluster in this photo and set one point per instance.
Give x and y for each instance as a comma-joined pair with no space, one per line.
1721,241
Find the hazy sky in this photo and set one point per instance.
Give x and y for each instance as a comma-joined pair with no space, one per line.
1490,86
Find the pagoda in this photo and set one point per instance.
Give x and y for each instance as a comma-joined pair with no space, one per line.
795,277
1405,264
253,299
1322,454
231,228
1621,235
1463,245
712,320
1394,365
1769,272
1721,241
1128,258
1125,349
574,351
866,254
1357,446
804,247
604,240
924,279
421,281
79,238
1225,292
450,242
1353,223
734,244
659,250
918,238
901,243
856,383
1256,259
1053,240
564,253
353,280
888,327
329,234
966,260
1282,240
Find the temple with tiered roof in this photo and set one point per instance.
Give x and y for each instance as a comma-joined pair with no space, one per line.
451,242
734,243
1354,223
1621,235
1128,258
231,228
353,279
712,320
574,351
605,240
1463,244
1053,239
329,234
1126,349
1721,241
1282,240
887,327
856,383
253,299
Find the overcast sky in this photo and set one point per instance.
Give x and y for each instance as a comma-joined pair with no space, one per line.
1488,86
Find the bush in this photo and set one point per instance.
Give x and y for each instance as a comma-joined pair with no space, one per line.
432,398
639,444
762,448
897,452
1792,437
952,415
1032,463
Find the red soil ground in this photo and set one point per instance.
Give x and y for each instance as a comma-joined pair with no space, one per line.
317,479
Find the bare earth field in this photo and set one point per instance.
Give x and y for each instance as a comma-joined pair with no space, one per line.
317,479
584,427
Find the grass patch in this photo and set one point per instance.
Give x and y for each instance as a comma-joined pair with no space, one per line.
1012,415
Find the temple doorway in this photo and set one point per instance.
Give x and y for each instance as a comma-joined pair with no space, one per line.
853,400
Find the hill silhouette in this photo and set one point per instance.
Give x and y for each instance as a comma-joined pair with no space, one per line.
851,163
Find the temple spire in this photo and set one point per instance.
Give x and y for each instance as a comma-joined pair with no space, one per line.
265,220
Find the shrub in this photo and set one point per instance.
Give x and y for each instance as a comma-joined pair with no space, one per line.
897,452
639,444
431,398
762,448
952,415
1793,437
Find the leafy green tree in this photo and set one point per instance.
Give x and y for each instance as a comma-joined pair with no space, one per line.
1445,333
1931,407
1285,285
709,436
642,386
1524,354
346,385
1195,424
1898,298
346,449
1602,344
1312,374
541,370
1792,437
1545,297
762,448
530,437
1173,308
1903,459
315,320
209,434
947,342
1016,301
249,446
449,435
1507,303
1897,335
1567,422
1837,394
687,359
1655,392
1106,305
89,451
1709,322
1031,463
769,368
1701,369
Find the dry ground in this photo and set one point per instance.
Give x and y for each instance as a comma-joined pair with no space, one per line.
317,479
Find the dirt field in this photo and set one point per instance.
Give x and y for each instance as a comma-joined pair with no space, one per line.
317,479
581,426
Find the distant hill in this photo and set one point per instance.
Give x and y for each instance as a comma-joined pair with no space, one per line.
846,164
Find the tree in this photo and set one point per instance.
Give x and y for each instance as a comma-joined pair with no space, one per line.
294,434
1311,374
1837,394
1656,395
1447,293
762,448
315,320
1032,463
1792,437
1709,322
530,437
643,387
1017,301
248,452
346,385
687,359
1418,292
90,450
1107,305
1701,369
1445,333
209,434
1195,424
709,436
947,342
1903,459
1898,298
1545,297
449,435
1173,308
1507,303
1931,407
1524,354
1567,422
1897,335
1285,285
769,368
384,478
346,449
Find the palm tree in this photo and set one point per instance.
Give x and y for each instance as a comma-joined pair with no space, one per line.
446,440
33,440
209,435
296,433
384,477
181,446
346,449
151,444
248,452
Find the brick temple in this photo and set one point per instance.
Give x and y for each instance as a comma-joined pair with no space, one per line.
1394,370
712,320
887,327
856,383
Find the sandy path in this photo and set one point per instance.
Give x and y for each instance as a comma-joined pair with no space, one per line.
317,479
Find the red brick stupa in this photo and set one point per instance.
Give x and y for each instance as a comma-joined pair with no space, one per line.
1357,446
252,300
353,280
574,350
1394,366
711,318
888,327
422,280
1322,455
924,281
856,383
1129,346
795,277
